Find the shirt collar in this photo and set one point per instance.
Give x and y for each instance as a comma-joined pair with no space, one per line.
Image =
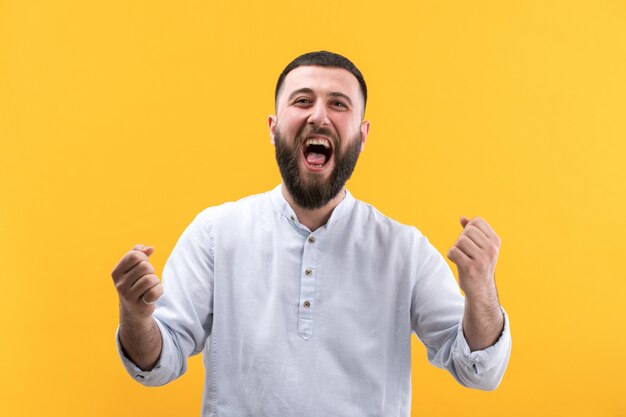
284,209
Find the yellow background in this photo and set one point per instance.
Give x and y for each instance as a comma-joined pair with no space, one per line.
121,120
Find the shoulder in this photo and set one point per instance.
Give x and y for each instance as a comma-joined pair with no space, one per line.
381,226
240,211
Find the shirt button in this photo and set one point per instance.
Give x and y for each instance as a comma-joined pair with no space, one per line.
308,272
307,304
139,378
293,219
311,239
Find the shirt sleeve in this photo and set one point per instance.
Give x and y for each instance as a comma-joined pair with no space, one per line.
184,313
437,308
162,372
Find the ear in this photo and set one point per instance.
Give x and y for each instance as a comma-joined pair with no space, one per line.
271,121
365,130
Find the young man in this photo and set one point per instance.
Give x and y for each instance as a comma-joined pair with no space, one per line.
304,299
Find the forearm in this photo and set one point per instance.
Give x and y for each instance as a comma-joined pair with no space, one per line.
140,339
483,320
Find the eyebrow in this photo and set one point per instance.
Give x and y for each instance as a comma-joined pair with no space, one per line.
309,91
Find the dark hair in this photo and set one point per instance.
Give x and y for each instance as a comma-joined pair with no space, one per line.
324,59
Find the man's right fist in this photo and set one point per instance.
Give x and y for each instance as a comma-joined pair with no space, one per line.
137,285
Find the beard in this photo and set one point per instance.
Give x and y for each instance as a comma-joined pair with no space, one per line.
308,190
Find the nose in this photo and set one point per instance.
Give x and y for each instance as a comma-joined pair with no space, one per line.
319,114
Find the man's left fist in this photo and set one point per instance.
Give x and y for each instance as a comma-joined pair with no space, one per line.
475,254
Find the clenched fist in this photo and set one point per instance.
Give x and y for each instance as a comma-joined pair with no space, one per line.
475,254
137,285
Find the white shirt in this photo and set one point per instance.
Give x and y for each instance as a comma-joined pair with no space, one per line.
301,323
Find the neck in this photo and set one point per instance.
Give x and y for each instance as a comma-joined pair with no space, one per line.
316,218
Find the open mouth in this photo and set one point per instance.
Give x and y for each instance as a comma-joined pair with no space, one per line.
317,152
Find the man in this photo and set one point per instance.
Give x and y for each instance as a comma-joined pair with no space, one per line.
304,299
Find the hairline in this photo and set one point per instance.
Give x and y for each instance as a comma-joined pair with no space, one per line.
282,85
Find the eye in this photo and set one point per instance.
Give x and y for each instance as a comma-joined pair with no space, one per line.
339,104
302,100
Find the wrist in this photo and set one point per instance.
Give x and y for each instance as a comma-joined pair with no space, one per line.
130,317
484,303
481,294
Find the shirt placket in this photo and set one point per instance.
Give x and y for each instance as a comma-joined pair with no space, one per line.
308,274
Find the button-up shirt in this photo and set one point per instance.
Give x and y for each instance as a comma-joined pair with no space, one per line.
299,323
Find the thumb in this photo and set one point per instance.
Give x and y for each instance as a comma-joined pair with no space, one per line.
148,250
464,221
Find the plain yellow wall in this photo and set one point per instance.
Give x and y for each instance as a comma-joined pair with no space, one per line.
121,120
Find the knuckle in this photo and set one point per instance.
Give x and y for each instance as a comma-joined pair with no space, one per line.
153,293
153,279
118,270
133,257
142,281
143,267
148,265
140,255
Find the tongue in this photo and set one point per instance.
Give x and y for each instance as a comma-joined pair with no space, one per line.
316,158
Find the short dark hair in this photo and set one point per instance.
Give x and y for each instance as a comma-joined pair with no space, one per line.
324,59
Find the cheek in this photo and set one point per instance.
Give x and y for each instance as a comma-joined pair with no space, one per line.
348,132
289,127
346,125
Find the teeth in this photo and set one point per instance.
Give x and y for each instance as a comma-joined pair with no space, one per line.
317,141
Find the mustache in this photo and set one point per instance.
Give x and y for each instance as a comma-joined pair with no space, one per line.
321,131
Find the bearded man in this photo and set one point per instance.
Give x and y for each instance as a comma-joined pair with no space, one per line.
304,299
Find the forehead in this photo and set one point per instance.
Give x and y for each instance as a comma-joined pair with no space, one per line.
322,80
